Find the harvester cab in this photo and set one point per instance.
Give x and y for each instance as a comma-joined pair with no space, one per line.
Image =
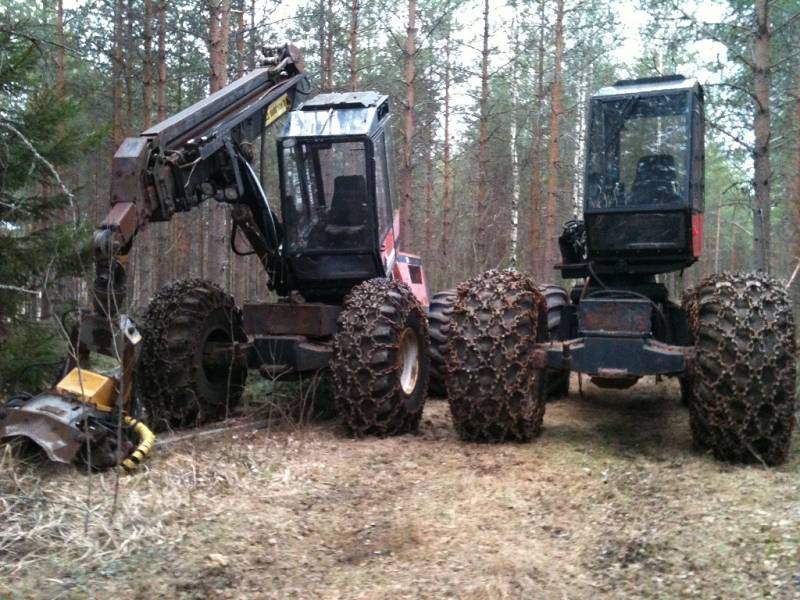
336,196
643,205
643,217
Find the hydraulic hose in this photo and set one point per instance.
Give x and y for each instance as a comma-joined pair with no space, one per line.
147,441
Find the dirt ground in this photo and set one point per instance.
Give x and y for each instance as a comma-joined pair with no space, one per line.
610,501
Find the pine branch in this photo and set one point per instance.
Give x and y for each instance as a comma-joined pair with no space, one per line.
28,144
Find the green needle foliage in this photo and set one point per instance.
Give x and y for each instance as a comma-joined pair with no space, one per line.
43,231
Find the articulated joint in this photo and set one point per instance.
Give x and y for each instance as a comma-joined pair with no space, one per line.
112,241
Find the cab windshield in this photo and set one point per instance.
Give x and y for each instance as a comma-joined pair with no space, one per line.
325,204
638,152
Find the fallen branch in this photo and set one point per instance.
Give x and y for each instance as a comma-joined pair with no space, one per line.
175,438
15,288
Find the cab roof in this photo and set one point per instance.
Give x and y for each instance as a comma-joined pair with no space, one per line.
645,85
338,114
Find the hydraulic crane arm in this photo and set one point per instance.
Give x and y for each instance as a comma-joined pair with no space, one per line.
201,153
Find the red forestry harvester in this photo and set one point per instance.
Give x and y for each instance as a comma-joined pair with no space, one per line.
499,341
348,299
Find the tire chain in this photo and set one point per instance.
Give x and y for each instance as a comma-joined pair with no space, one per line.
364,364
495,391
164,375
740,386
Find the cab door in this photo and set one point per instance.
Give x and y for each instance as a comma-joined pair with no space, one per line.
383,203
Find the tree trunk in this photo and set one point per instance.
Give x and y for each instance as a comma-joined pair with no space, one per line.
60,49
240,39
551,252
514,233
482,208
761,130
181,224
219,34
179,77
251,52
794,193
147,71
162,60
237,263
446,176
717,239
128,62
407,160
354,45
117,125
329,47
428,245
321,28
536,246
580,136
154,250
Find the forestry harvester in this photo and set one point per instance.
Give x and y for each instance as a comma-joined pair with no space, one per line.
347,299
499,337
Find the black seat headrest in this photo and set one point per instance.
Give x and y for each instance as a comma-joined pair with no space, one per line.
656,167
349,201
656,180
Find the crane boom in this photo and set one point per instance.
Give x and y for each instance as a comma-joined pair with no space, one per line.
201,153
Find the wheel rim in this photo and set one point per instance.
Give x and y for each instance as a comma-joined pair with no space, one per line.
408,360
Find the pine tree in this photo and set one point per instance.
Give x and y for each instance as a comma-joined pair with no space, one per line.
42,237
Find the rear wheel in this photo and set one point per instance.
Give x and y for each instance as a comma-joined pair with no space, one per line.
439,316
380,359
556,382
740,388
495,390
179,384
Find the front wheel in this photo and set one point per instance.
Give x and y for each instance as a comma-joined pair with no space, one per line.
179,384
380,359
740,387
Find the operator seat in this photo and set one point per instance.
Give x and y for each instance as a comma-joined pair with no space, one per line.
656,180
347,216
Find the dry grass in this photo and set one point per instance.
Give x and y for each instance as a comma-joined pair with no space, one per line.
611,501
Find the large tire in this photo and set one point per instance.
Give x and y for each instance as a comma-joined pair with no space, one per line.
741,385
380,359
495,390
175,388
439,314
556,382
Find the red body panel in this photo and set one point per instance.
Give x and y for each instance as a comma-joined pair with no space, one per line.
697,234
403,266
388,250
408,269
